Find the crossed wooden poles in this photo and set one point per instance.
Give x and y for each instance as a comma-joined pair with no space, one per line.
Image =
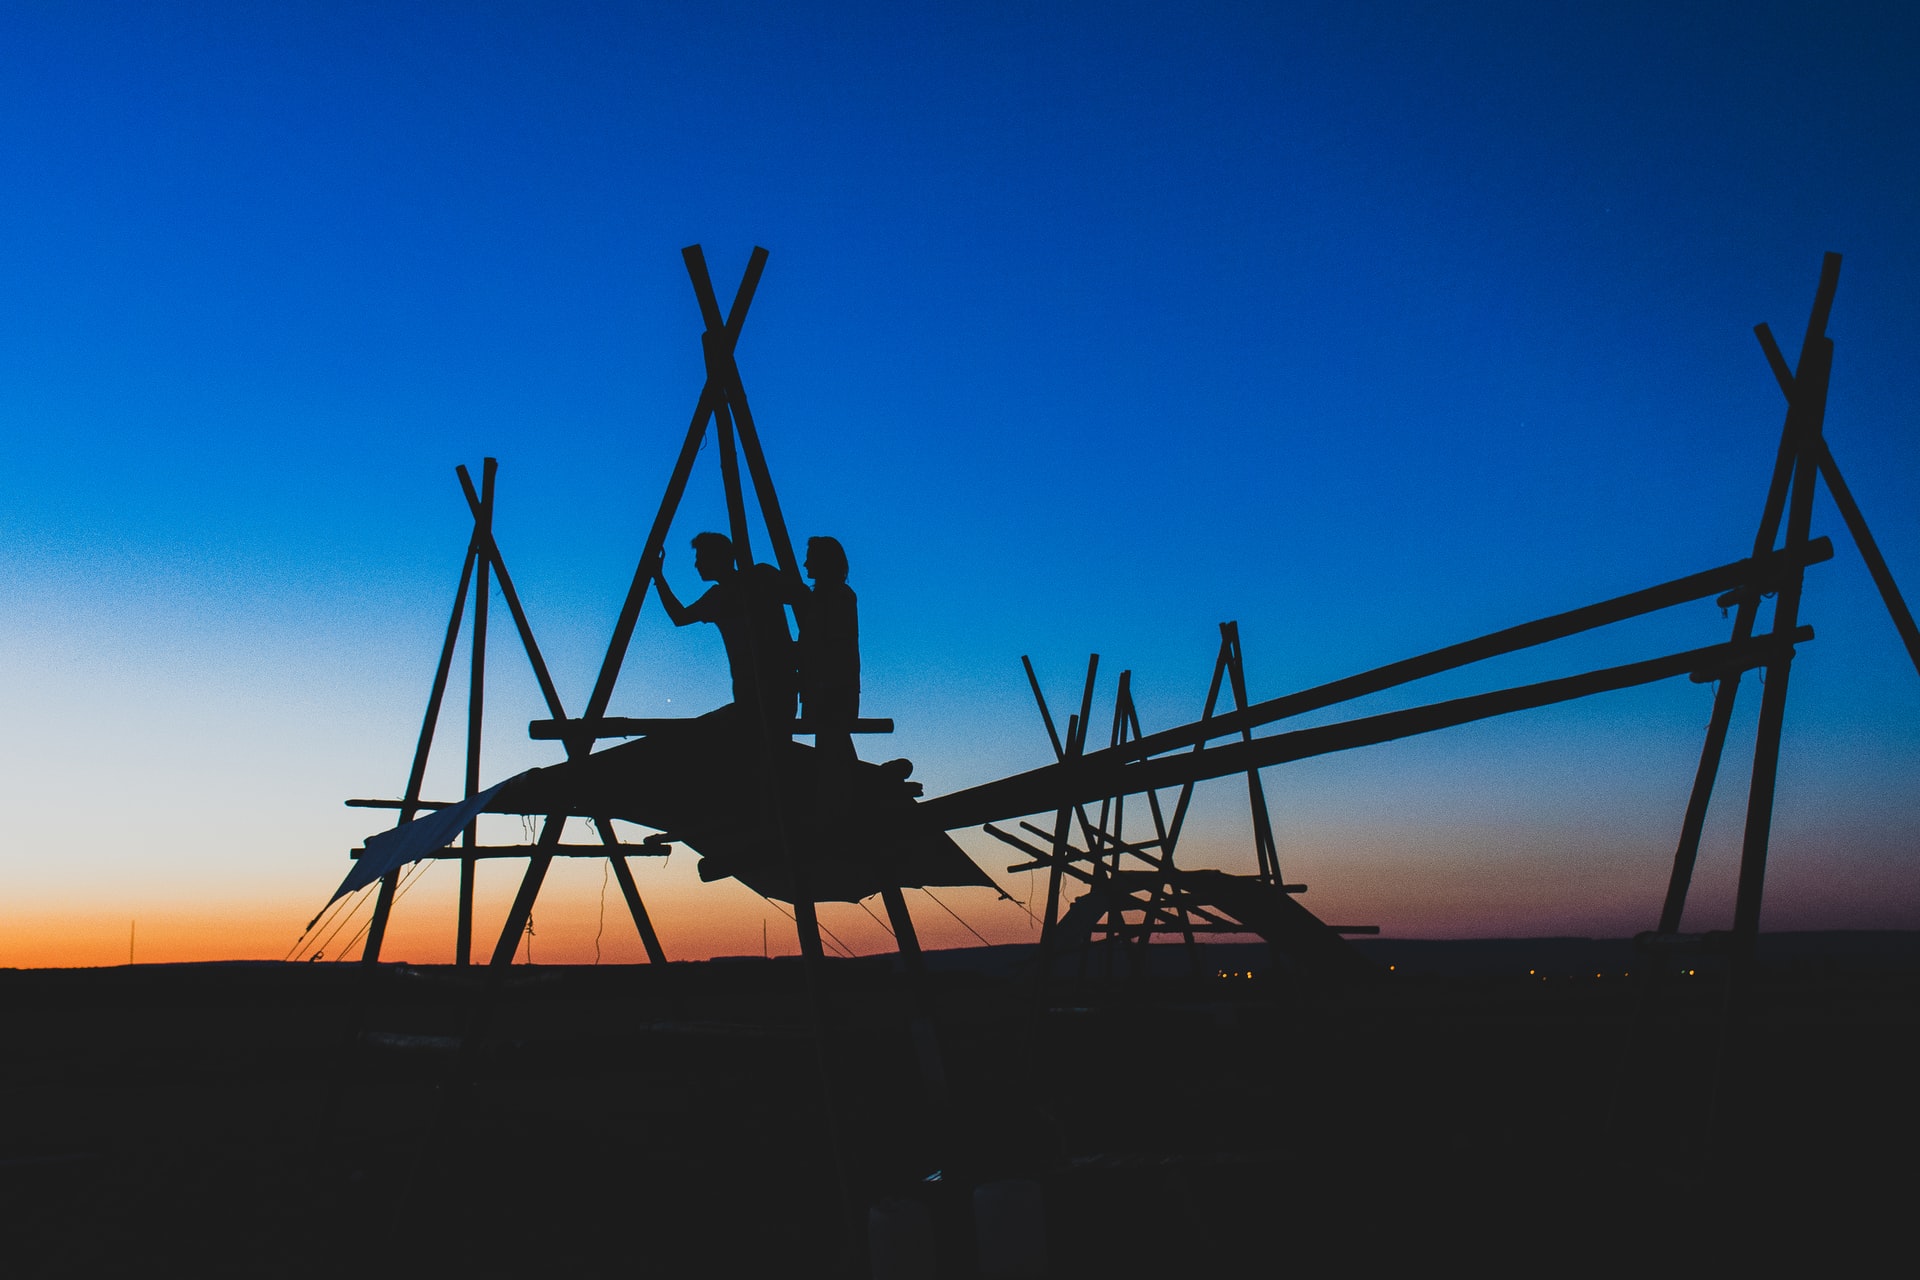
1164,898
723,405
1185,754
484,559
1802,461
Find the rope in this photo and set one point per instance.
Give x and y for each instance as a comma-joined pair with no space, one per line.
358,900
328,912
407,882
956,915
364,899
845,950
877,920
606,869
1032,919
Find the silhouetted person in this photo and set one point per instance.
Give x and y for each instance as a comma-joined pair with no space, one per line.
746,605
829,637
829,617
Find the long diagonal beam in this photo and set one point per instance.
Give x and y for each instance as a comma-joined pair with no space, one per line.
711,397
1759,569
1849,511
1762,569
1089,778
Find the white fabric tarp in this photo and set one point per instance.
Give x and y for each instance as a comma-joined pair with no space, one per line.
411,841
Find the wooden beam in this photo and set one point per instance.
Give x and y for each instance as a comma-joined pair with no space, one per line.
649,850
1089,778
1870,552
540,672
640,726
476,707
1698,586
616,854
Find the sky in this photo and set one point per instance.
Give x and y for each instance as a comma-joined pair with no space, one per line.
1085,328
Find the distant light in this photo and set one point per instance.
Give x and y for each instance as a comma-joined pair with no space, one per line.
1389,968
1529,973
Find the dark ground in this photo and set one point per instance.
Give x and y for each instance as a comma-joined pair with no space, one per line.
227,1120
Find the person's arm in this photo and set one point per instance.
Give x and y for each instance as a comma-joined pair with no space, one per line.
676,612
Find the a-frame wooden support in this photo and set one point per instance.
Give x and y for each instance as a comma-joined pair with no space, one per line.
1803,459
722,405
484,563
1134,889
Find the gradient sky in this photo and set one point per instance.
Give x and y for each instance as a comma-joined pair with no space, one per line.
1085,327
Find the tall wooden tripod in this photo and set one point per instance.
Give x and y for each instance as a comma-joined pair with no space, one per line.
722,405
484,561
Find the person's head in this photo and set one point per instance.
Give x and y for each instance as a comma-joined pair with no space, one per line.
712,555
826,560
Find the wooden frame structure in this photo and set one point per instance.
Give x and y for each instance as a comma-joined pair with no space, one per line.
483,560
1133,903
1802,461
722,405
1177,756
1220,744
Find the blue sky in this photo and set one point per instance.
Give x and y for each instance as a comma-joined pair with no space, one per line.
1084,328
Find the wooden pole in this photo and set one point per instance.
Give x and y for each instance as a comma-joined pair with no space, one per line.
1062,827
710,398
1266,851
1182,805
383,904
637,909
476,703
1810,390
730,482
1870,552
1685,854
512,597
1850,511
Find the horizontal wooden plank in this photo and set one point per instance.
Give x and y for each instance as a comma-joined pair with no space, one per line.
453,852
640,726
